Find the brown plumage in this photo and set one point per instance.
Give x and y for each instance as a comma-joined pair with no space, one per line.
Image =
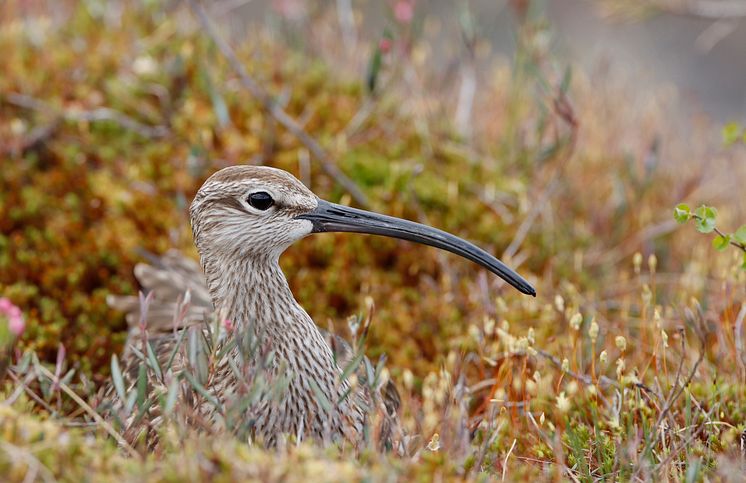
242,219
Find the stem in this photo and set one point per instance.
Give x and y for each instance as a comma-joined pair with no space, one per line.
736,244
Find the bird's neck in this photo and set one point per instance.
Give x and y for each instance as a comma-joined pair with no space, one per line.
254,294
250,290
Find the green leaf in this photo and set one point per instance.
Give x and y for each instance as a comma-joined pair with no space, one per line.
743,265
740,235
116,375
203,391
173,392
566,79
130,404
320,396
197,354
721,242
153,361
731,133
142,385
705,221
178,345
682,213
352,366
374,67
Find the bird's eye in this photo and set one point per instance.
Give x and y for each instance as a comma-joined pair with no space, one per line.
261,200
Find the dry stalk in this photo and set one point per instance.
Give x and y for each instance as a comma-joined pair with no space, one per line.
275,110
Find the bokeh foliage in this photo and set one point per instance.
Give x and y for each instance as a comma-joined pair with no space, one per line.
110,122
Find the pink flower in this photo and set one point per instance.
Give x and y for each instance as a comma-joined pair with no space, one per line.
228,325
404,11
16,324
385,45
290,9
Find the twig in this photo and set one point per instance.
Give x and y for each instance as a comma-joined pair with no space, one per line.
686,444
95,115
587,380
32,461
41,402
557,444
346,19
91,412
738,335
274,110
21,386
676,392
488,441
708,9
528,222
505,461
734,243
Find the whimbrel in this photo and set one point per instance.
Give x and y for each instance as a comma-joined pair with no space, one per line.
243,218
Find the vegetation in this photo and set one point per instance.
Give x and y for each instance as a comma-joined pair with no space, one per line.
630,363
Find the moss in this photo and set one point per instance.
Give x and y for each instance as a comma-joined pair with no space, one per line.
78,205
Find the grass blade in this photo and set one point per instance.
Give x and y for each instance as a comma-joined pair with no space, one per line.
116,375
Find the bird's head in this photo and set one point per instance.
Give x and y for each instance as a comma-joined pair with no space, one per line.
257,212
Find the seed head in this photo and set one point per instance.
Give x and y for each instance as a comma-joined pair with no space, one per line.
559,303
434,444
563,403
652,262
620,366
621,343
593,330
637,262
576,320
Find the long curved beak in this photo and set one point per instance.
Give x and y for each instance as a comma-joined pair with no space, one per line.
330,217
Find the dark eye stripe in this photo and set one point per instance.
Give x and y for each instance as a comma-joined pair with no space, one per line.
261,200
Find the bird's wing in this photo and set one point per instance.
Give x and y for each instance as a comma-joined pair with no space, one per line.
169,278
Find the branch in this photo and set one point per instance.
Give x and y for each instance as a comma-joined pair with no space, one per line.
276,111
707,9
95,115
91,412
734,243
587,380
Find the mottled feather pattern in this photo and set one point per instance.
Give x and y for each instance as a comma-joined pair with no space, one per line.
239,252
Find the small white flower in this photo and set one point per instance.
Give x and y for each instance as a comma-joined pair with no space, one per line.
620,366
593,330
489,326
621,343
434,444
559,303
408,379
575,321
144,65
652,262
637,261
563,403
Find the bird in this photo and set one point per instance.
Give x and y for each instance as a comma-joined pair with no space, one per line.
243,218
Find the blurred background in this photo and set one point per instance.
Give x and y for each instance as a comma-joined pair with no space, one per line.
559,135
695,46
124,107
